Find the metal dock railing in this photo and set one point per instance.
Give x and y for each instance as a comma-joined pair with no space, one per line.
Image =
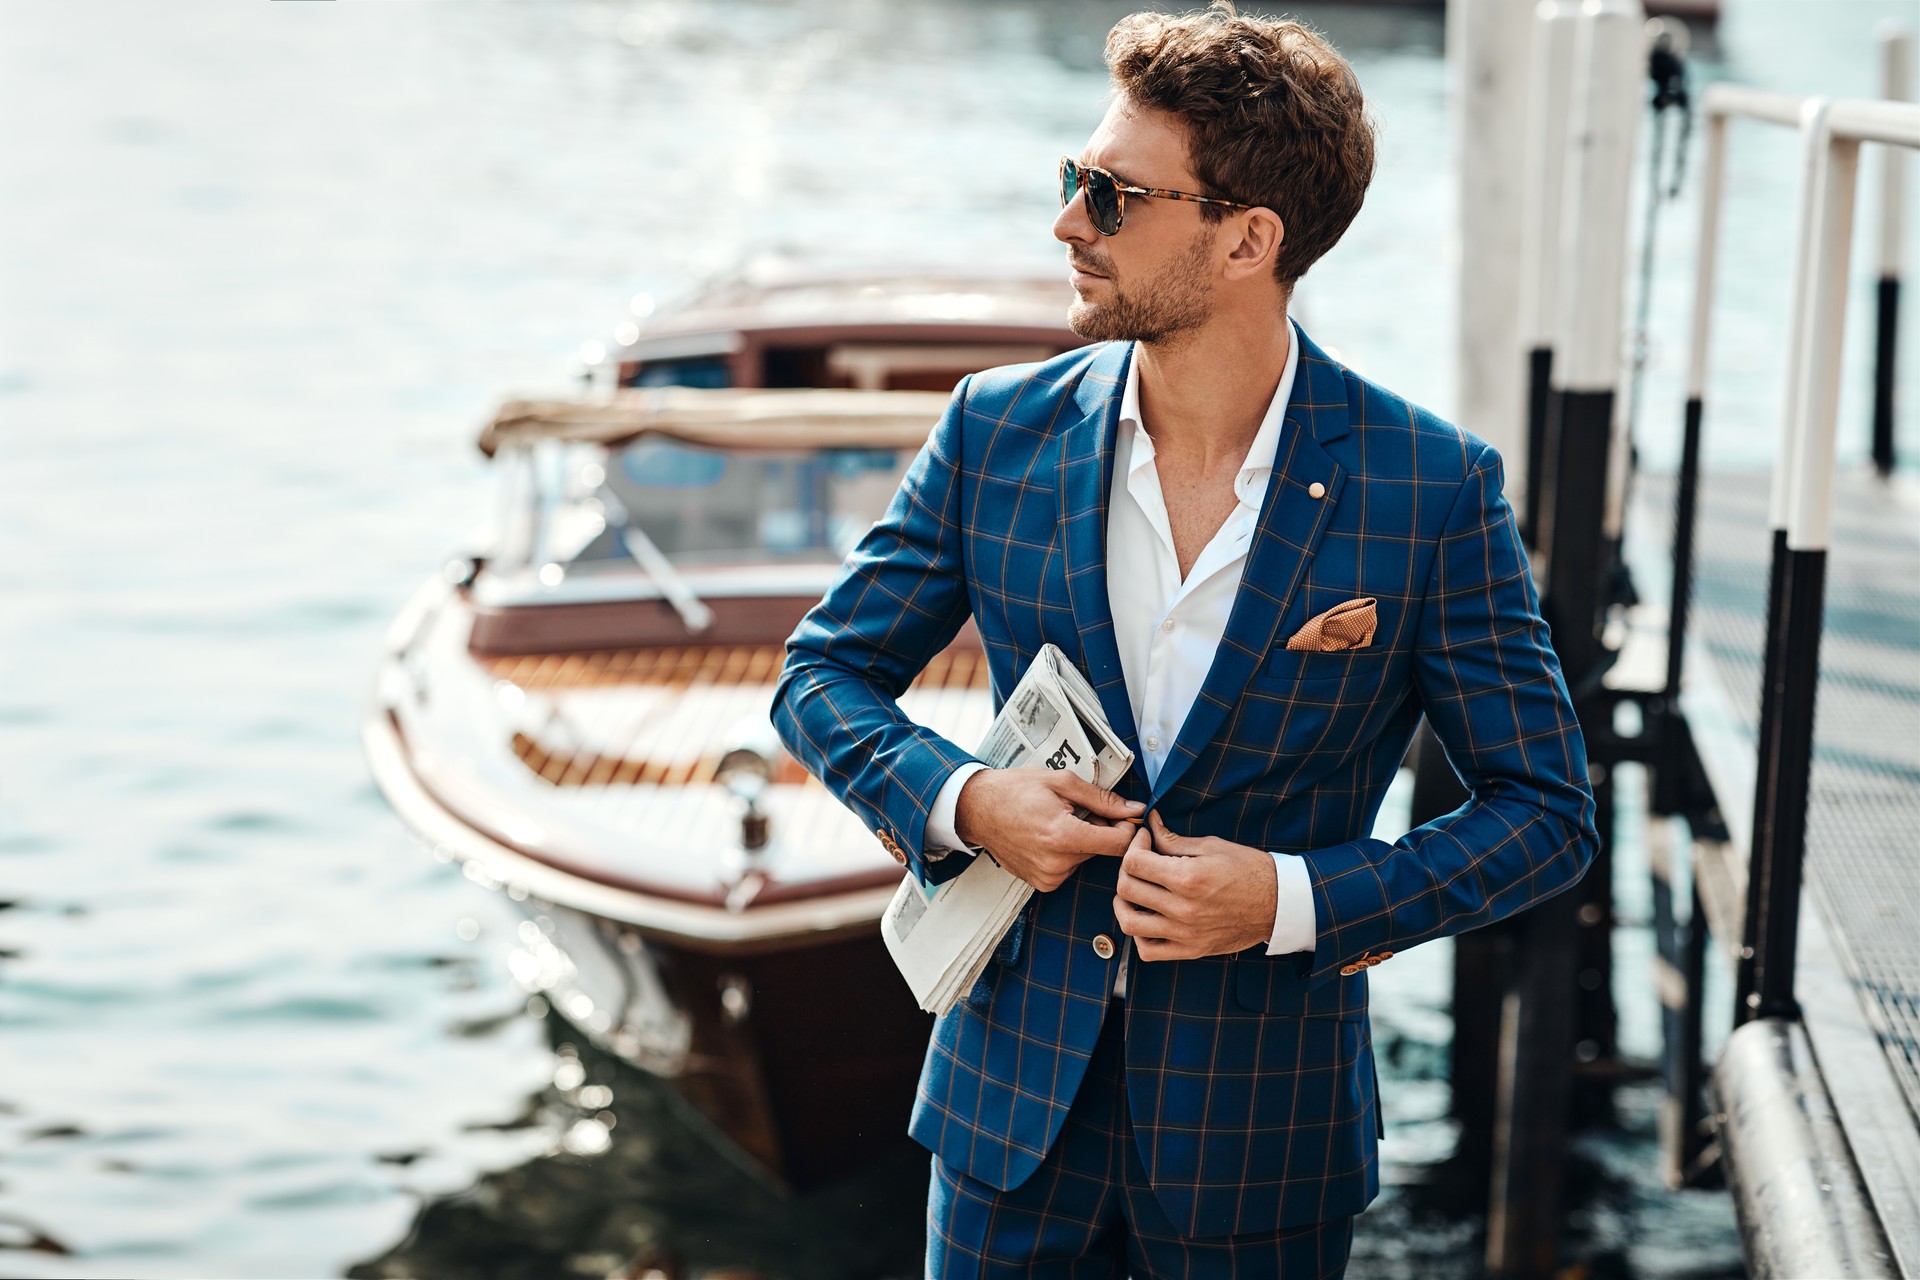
1817,1089
1794,836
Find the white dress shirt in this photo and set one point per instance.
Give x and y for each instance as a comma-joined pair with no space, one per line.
1167,629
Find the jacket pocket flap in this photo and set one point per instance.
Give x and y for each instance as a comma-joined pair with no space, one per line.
1312,664
1274,984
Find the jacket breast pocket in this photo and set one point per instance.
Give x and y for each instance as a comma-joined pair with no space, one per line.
1307,666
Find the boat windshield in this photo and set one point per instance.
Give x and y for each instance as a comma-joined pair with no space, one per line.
709,506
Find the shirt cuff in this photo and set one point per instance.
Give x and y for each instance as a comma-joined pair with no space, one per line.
1293,915
941,837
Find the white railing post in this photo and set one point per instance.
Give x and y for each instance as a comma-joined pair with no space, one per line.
1487,86
1603,121
1835,133
1713,175
1605,106
1550,80
1773,658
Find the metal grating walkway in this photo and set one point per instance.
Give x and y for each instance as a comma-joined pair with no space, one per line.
1863,827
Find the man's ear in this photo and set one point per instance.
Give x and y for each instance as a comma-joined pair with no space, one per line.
1253,253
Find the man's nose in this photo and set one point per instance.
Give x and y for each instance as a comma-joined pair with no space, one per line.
1072,225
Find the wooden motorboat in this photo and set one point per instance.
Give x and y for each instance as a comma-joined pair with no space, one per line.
578,712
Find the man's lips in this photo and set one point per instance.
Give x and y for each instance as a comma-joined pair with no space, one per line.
1081,268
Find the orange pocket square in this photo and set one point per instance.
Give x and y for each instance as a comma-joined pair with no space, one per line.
1348,625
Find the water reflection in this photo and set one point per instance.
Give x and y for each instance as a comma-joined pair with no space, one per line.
634,1183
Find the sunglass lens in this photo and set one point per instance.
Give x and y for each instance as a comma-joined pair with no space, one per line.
1103,203
1069,182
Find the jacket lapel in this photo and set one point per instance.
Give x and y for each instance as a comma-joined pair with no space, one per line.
1291,523
1086,478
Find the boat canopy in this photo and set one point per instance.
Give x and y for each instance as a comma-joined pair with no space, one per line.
724,419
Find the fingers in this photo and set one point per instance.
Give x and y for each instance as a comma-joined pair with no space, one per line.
1143,893
1151,949
1096,800
1137,923
1095,840
1137,838
1067,842
1144,863
1143,927
1164,840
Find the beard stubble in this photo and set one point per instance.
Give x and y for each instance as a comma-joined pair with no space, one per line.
1177,299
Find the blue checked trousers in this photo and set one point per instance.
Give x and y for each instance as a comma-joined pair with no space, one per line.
1088,1213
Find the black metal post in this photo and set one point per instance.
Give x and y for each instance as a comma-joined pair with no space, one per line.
1690,1112
1482,971
1536,1078
1782,871
1679,977
1540,1021
1539,475
1577,571
1596,1020
1669,940
1773,663
1669,762
1886,343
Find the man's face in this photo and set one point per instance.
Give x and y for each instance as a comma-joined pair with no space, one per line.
1153,279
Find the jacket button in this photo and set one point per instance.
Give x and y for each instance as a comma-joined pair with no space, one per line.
1103,946
1316,490
1384,955
1348,970
899,857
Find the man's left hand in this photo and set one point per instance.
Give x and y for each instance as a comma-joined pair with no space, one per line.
1182,897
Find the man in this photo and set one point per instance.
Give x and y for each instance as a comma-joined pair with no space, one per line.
1269,568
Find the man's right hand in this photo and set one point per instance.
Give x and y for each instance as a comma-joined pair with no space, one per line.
1025,818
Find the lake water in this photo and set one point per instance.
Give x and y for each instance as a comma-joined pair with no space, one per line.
263,268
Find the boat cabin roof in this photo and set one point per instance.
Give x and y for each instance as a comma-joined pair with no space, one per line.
784,325
738,420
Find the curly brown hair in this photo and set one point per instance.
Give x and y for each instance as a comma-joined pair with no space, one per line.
1274,114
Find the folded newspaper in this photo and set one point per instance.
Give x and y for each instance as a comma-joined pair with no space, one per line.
941,936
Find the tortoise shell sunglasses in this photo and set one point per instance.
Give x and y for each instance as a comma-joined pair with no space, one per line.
1107,198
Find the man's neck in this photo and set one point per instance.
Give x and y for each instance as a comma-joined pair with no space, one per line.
1204,393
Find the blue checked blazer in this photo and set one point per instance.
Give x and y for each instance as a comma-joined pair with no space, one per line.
1250,1078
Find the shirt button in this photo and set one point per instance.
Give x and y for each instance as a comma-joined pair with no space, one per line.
1167,625
1152,743
1103,946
